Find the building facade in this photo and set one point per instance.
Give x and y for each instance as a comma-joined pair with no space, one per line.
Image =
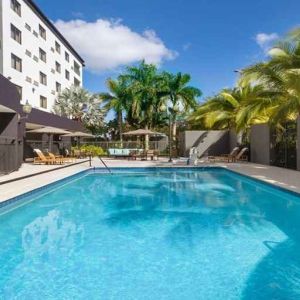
34,55
36,63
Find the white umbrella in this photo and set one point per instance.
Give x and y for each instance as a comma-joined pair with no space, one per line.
50,131
144,132
140,132
79,134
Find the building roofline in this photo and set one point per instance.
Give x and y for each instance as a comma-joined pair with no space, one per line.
38,11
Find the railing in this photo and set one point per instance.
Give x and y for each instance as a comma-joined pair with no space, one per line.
153,145
11,154
59,146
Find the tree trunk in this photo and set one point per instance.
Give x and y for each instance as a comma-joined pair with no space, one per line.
174,132
120,122
146,139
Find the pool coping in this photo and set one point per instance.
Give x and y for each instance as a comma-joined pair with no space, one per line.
99,170
43,172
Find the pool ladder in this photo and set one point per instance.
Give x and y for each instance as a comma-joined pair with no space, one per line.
105,165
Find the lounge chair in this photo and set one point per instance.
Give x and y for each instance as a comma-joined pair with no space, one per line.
42,159
231,157
60,159
242,156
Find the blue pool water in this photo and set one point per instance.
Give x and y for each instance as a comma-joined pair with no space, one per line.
179,234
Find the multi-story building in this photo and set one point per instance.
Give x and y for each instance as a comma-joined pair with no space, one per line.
34,55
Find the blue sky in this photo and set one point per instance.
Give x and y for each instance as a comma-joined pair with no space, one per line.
207,38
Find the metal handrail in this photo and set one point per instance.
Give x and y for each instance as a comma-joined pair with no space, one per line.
105,165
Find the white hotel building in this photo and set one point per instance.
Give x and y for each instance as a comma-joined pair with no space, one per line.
34,55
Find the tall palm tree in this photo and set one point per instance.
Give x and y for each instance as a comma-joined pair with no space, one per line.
145,85
179,94
118,99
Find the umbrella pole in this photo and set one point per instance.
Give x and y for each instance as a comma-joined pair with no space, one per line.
49,142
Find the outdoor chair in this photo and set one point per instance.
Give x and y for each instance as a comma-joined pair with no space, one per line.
242,155
231,157
60,159
152,154
42,159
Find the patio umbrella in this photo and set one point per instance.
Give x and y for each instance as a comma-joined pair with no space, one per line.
50,131
79,134
143,132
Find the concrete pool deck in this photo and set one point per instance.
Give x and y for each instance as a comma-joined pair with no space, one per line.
284,178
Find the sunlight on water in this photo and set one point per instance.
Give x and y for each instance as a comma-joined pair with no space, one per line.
206,234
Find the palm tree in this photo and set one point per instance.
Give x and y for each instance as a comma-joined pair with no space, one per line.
178,94
118,99
71,102
236,108
281,76
77,103
145,85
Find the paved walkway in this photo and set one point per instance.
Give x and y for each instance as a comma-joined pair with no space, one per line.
282,177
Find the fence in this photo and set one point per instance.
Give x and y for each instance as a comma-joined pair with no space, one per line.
11,154
283,146
59,146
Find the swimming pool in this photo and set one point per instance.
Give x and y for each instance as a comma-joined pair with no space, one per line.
152,234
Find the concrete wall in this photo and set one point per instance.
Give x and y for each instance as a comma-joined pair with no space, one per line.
233,139
212,142
260,144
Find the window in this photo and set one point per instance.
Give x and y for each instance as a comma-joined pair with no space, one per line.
57,67
42,31
43,102
43,55
15,34
19,90
57,47
58,87
16,63
43,78
28,53
76,82
27,27
67,75
76,68
67,56
15,6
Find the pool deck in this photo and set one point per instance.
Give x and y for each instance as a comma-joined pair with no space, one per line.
288,179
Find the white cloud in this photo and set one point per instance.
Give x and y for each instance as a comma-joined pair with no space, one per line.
108,44
265,40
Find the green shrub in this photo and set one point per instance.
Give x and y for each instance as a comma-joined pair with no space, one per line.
94,150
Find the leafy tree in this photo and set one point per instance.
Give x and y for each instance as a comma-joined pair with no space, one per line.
78,104
145,86
281,76
117,99
178,94
236,108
